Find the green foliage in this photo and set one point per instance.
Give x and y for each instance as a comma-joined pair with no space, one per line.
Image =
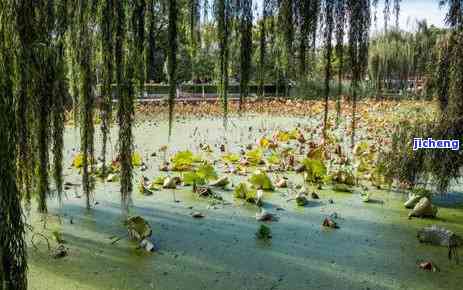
231,158
301,200
86,101
136,159
78,160
260,180
13,248
183,160
339,187
243,191
274,159
315,171
421,191
343,175
204,173
159,180
263,232
255,156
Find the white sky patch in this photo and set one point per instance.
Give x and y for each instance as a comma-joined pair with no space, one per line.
410,12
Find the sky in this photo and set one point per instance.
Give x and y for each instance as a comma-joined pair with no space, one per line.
413,10
410,12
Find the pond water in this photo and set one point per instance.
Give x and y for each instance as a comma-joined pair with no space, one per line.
374,248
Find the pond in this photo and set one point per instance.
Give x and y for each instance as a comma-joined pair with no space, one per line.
375,246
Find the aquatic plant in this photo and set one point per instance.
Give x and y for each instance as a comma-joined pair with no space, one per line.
264,232
254,156
246,192
260,180
231,158
315,171
183,160
201,175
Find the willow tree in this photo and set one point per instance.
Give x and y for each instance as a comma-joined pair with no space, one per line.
222,12
339,31
87,99
359,25
172,59
328,35
246,50
107,53
13,260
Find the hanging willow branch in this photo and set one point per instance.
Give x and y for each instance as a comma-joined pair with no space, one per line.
58,97
45,59
340,23
246,50
328,34
195,28
396,13
13,256
286,25
87,104
262,47
107,53
359,24
387,14
125,106
138,30
24,27
223,26
150,73
172,59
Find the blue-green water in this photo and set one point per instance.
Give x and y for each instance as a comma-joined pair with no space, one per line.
374,248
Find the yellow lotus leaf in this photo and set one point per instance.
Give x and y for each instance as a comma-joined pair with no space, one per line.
317,153
78,160
136,159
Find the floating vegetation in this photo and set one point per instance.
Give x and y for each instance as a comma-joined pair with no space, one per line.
260,180
264,232
244,191
339,187
184,161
